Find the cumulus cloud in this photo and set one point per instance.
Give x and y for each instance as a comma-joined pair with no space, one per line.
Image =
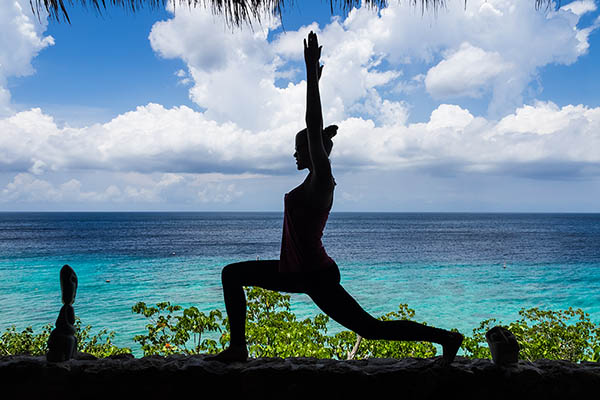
154,139
151,138
467,72
235,74
580,7
28,188
124,189
491,47
499,44
21,39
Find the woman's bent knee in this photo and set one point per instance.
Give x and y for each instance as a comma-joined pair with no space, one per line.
229,272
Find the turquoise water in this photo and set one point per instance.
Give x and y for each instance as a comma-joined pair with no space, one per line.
450,268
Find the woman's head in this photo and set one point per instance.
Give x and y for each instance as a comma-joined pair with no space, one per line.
302,155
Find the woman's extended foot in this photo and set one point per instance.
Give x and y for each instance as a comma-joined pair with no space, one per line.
231,354
450,348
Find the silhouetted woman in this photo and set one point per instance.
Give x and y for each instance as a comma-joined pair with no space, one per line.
304,266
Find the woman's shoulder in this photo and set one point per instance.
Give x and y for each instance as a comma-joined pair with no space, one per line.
308,196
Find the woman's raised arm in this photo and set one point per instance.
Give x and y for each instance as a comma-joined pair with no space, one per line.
314,117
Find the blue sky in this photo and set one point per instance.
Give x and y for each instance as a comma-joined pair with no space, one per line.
490,108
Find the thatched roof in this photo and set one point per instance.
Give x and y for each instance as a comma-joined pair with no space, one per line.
235,12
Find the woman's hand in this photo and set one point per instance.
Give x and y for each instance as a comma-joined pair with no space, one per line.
312,54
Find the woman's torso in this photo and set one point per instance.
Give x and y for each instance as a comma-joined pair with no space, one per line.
303,224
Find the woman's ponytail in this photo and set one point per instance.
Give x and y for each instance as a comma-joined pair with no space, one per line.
328,133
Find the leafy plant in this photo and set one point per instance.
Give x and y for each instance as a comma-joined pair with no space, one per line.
557,335
476,346
171,334
272,330
544,334
96,345
27,342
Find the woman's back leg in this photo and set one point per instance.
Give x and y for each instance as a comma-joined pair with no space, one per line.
336,302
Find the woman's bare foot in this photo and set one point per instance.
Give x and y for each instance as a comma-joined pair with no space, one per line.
450,348
231,354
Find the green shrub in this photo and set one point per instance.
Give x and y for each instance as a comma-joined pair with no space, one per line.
475,346
96,345
554,335
27,342
272,330
557,335
171,334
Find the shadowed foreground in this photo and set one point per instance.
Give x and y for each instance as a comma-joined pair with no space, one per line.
168,377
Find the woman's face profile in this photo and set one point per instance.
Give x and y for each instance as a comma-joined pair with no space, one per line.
302,155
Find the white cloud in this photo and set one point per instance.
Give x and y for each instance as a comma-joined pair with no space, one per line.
219,193
242,89
580,7
184,79
21,39
449,116
467,72
506,43
27,188
233,71
490,47
123,189
154,139
151,138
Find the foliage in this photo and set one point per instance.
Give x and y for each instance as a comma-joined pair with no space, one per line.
557,335
170,334
545,334
475,346
27,342
272,330
96,345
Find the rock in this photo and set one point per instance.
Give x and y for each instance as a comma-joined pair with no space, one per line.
124,356
503,346
68,284
84,356
62,343
271,378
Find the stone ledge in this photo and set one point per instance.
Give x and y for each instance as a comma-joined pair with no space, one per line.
266,378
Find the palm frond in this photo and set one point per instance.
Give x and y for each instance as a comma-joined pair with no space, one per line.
235,12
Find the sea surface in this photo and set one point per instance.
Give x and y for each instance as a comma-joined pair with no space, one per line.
453,269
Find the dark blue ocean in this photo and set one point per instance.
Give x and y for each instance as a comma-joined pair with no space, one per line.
454,269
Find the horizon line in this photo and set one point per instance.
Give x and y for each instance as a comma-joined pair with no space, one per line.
281,211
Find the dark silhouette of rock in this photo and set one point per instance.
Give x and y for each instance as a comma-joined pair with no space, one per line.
62,343
84,356
503,346
157,377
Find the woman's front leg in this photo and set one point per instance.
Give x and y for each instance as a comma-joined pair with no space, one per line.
234,277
